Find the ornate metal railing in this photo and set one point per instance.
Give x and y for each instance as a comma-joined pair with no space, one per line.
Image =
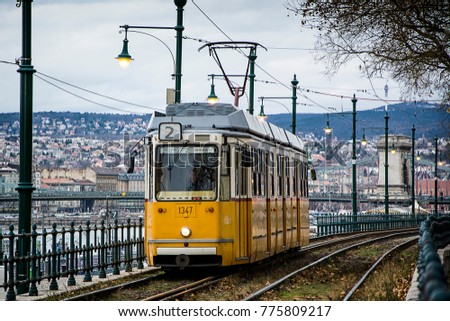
333,223
92,250
432,280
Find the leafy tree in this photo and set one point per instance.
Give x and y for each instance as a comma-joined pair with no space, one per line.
407,40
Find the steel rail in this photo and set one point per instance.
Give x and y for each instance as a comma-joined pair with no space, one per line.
187,288
317,262
374,266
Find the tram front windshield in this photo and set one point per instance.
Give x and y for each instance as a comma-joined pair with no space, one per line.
186,172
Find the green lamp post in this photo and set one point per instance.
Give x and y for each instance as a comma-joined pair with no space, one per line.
125,59
386,163
413,192
25,186
251,77
354,192
294,84
435,176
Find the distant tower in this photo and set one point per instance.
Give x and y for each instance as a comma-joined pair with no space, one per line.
399,167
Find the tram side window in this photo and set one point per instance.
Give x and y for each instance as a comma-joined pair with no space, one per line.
280,175
225,175
258,173
300,177
255,176
262,172
241,178
304,180
272,174
296,178
288,174
237,162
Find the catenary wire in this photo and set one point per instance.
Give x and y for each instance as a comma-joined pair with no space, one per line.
98,94
85,99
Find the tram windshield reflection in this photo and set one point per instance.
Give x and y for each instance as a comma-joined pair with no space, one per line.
186,172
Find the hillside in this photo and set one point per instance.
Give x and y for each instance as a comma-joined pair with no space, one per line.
429,120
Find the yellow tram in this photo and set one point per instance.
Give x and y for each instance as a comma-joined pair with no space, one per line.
222,188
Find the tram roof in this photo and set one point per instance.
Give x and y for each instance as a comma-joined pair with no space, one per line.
203,116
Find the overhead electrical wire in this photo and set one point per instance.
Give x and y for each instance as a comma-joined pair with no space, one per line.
262,69
98,94
41,76
300,88
83,98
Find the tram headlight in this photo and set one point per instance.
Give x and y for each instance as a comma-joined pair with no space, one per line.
185,231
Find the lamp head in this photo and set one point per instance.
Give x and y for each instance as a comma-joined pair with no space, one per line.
262,116
124,57
212,98
328,129
393,151
363,141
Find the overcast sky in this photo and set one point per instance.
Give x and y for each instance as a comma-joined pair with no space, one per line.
76,41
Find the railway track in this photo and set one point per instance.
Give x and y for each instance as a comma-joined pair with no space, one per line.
328,268
236,284
375,265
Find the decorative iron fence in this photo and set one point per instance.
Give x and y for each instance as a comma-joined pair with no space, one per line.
326,224
432,280
92,250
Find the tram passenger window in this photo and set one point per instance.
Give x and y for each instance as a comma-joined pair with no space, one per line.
295,182
255,178
288,180
224,188
262,173
241,177
149,177
280,175
225,175
272,174
300,177
304,180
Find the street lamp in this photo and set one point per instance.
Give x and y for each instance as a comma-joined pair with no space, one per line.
393,150
125,59
364,140
262,115
327,128
294,83
212,98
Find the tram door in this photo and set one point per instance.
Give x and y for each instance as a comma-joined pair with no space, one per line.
242,204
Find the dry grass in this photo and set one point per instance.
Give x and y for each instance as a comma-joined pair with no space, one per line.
332,281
